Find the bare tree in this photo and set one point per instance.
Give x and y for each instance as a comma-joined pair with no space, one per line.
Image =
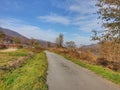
70,44
59,40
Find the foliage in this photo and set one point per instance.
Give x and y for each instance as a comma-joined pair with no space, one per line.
109,11
110,51
84,55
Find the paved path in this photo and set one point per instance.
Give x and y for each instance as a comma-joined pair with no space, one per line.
65,75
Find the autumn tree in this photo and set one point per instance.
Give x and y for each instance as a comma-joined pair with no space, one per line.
59,40
109,12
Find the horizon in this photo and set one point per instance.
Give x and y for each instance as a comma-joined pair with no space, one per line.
46,20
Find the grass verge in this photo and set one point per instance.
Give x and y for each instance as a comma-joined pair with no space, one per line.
31,76
5,57
100,70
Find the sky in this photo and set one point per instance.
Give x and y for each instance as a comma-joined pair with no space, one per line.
46,19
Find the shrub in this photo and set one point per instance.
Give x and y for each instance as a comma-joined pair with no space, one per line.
102,61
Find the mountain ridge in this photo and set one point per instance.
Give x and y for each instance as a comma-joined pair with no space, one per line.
10,33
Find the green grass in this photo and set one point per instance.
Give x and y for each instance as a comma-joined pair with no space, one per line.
5,57
100,70
31,76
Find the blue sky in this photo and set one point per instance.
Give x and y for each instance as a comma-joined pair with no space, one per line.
45,19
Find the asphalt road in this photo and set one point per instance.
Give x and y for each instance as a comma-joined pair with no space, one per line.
65,75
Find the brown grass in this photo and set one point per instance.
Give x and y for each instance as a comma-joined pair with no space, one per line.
106,54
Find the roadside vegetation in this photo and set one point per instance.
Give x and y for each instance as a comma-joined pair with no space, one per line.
23,70
6,57
98,69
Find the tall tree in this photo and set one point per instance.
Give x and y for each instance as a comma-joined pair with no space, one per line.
60,40
109,12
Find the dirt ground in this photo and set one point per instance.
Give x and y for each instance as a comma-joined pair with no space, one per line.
9,50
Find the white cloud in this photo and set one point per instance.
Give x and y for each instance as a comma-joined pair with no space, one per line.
82,40
89,25
55,19
83,7
77,6
84,23
28,30
38,33
80,14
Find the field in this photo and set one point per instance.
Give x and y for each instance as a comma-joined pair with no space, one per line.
6,57
29,75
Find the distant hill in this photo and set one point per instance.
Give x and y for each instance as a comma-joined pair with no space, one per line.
89,46
11,34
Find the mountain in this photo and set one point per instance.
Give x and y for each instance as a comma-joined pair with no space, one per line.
89,46
13,34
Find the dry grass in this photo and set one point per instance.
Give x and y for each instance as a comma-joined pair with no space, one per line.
9,50
6,57
90,64
84,55
106,54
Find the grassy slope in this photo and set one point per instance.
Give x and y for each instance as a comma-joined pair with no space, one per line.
11,56
100,70
31,76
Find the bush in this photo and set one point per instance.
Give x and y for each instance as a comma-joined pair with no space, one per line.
116,66
102,61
